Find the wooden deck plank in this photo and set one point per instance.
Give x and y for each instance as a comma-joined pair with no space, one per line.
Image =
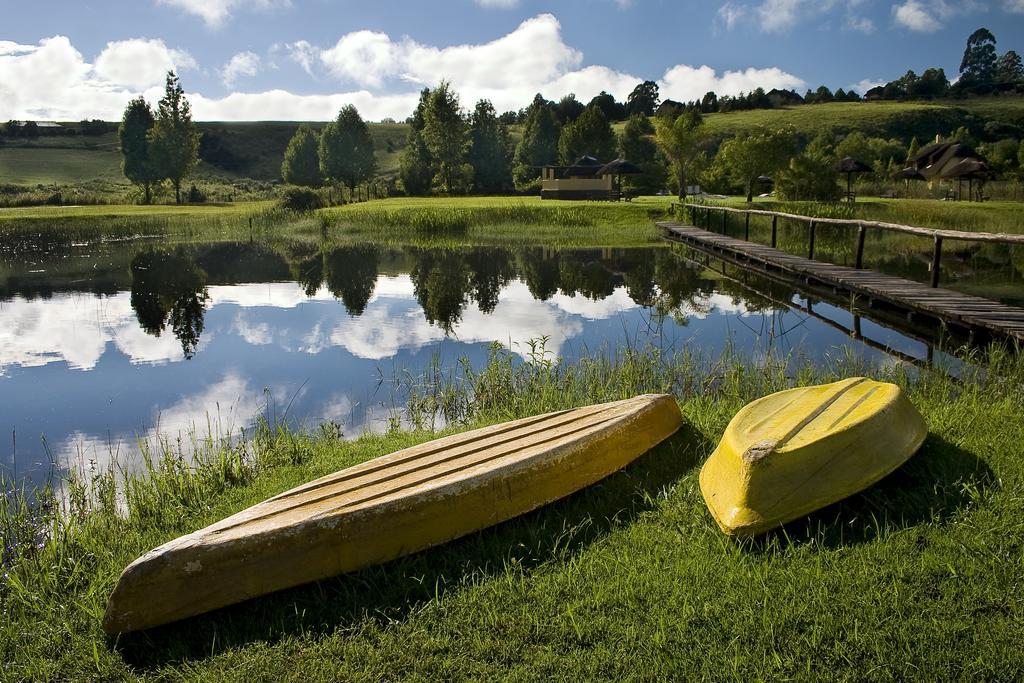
957,307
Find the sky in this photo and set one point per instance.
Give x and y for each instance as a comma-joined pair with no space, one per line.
245,60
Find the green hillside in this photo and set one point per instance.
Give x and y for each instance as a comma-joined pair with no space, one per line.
255,150
883,119
229,150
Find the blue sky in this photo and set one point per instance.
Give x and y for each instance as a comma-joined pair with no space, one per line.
303,59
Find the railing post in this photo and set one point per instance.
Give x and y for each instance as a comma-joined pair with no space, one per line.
746,227
936,259
775,230
810,245
859,263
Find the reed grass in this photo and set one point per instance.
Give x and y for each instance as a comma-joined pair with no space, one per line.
630,579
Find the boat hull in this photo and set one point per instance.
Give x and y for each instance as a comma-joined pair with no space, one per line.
388,507
794,452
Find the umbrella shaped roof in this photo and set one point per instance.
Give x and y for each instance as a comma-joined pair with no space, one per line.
619,167
948,160
964,168
851,165
909,173
583,167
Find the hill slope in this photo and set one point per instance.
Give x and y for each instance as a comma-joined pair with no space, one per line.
255,150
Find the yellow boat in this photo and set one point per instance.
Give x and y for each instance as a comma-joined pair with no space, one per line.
387,507
794,452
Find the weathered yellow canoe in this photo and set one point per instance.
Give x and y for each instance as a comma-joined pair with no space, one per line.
388,507
794,452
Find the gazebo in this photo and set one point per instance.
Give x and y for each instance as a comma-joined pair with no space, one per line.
952,160
619,168
586,178
849,166
908,174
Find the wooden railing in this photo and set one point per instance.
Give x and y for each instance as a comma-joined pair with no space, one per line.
935,234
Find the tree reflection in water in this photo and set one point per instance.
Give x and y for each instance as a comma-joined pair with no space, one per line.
351,275
169,288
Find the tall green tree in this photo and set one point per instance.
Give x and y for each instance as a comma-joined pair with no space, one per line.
346,149
133,134
539,146
490,150
416,166
569,109
1009,68
914,148
644,99
612,109
756,153
638,146
680,140
590,134
446,135
301,165
978,67
173,140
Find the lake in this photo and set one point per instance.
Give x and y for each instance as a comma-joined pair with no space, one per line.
103,345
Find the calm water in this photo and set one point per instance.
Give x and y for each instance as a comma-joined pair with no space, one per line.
104,345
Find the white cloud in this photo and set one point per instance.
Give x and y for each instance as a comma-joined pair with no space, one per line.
52,80
730,14
865,85
916,17
242,64
216,12
302,53
686,83
928,16
860,24
779,15
1014,6
364,57
140,63
498,4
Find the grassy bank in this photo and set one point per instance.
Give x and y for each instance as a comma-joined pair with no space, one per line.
887,119
46,228
1007,217
461,220
500,220
630,579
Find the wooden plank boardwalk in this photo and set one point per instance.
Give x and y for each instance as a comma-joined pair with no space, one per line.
965,311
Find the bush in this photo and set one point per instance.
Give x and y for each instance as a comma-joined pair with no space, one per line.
301,199
810,177
195,196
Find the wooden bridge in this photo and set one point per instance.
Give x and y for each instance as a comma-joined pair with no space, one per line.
964,312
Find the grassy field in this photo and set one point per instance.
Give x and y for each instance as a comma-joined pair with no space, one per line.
902,120
501,220
628,580
239,150
992,216
461,220
255,150
49,165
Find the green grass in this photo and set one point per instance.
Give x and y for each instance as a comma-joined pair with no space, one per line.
28,229
500,220
992,271
630,579
246,150
48,165
902,120
991,216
